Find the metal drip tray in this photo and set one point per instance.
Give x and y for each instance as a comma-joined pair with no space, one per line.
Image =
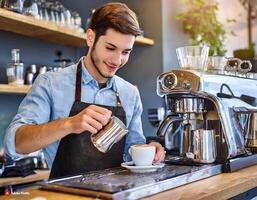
119,183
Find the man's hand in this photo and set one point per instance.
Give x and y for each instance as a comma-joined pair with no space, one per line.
91,119
160,152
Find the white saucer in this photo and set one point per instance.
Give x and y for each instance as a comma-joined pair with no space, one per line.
142,169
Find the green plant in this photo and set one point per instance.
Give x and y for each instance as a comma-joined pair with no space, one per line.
251,9
200,22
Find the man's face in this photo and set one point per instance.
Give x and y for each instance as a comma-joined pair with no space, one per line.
109,53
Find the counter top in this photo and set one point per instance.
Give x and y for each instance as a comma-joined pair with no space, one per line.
38,176
222,186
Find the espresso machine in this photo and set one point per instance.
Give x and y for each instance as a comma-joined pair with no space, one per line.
210,116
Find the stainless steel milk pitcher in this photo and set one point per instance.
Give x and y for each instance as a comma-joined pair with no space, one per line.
203,146
110,134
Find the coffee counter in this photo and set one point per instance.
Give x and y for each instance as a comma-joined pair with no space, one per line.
38,176
221,186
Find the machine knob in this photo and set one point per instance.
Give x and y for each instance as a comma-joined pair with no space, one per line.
169,81
186,85
232,64
245,66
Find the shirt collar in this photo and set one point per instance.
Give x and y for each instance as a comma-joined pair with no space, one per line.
87,78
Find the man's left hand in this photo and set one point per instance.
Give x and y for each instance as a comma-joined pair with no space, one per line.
160,152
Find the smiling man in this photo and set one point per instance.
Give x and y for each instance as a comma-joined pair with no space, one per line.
108,54
64,108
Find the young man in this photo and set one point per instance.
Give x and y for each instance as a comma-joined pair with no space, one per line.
64,108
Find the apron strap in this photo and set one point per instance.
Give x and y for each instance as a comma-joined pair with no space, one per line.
78,82
118,102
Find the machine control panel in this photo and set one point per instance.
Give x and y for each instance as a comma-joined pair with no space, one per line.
175,80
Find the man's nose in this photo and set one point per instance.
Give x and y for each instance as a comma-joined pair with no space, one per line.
117,59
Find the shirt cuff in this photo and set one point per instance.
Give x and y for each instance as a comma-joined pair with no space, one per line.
9,142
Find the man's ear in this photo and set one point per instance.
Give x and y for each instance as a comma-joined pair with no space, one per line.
90,37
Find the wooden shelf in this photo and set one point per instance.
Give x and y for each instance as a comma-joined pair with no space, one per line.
29,26
12,89
144,41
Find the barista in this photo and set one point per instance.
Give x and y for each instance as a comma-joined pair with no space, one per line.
63,109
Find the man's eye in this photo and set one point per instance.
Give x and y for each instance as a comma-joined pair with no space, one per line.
126,52
109,48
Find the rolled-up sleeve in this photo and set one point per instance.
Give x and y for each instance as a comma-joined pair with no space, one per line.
135,135
34,109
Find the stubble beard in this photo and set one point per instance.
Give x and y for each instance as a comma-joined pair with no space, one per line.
94,61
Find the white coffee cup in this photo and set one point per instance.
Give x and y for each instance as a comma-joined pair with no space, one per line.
142,154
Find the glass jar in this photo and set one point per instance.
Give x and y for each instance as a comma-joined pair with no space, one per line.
15,74
15,71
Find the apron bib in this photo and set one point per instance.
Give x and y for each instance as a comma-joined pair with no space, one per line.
76,154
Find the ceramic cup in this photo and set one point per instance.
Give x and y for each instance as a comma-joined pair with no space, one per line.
142,154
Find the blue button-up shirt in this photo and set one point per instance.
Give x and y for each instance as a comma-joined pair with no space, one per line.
52,96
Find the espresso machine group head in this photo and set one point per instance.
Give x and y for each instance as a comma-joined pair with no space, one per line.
221,108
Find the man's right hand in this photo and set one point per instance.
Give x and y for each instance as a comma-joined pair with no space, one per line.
91,119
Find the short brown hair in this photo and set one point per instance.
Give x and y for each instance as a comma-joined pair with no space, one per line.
117,16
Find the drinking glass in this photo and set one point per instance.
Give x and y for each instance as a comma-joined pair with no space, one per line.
193,57
76,20
67,16
30,7
13,5
216,63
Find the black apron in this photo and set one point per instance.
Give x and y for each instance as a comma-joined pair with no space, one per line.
76,154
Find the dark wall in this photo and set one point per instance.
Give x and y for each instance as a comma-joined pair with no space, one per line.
142,69
146,62
8,108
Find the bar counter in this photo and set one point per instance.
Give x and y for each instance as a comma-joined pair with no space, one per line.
222,186
38,176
